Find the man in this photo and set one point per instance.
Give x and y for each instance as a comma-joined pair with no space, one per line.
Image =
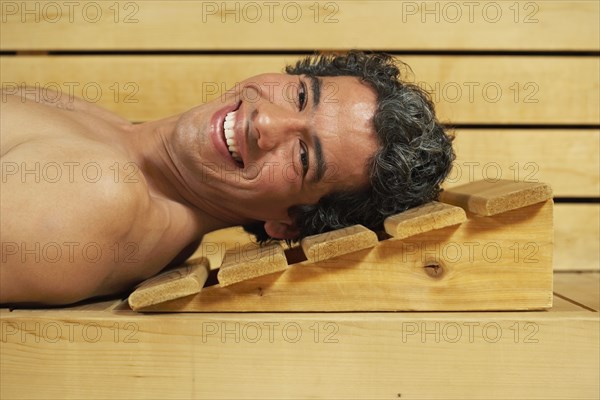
92,205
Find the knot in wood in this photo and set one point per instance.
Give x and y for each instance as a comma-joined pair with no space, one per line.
433,269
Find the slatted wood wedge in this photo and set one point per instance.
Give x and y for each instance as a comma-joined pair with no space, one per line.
454,259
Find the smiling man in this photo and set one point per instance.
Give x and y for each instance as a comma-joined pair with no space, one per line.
92,205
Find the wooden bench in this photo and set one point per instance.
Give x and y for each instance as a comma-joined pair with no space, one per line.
105,350
519,83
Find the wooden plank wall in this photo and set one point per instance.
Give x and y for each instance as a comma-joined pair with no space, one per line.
517,80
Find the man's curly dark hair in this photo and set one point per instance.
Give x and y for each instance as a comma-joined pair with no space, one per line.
414,157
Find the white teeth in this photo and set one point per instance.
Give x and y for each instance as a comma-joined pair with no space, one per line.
230,116
229,135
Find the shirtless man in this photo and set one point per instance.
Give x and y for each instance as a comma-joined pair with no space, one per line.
92,204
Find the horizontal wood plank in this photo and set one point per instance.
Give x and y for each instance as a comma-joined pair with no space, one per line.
568,160
533,355
466,89
582,288
342,24
561,304
577,237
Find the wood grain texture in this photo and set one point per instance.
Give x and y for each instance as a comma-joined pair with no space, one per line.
568,160
549,355
466,89
582,288
487,197
343,24
563,304
577,237
487,263
339,242
430,216
179,282
238,266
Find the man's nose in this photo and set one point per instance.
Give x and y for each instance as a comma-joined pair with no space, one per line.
275,125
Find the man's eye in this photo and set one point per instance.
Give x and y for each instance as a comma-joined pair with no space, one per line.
302,95
304,157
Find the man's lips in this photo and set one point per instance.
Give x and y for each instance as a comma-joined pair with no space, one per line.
217,133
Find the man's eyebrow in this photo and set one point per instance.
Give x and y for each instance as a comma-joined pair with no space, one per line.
321,164
315,86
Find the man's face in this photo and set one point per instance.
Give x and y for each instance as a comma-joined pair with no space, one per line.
275,141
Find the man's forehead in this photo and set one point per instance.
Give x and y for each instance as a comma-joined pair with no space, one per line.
348,103
346,120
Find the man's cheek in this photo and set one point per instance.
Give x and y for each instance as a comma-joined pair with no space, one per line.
273,173
291,175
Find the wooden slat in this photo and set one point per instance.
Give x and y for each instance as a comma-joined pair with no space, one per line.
467,89
179,282
568,160
487,198
238,266
582,288
214,245
429,216
343,24
577,237
499,355
327,245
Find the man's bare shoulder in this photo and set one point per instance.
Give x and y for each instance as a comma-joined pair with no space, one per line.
24,119
63,207
78,216
58,101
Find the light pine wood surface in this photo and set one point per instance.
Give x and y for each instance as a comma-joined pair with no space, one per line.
342,241
179,282
563,158
306,25
466,89
115,353
487,198
246,264
429,216
576,239
486,263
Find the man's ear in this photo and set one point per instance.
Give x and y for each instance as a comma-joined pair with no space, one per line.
281,230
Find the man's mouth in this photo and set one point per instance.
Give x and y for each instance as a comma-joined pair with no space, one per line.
230,140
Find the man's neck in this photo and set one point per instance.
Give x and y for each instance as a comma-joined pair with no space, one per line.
148,143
